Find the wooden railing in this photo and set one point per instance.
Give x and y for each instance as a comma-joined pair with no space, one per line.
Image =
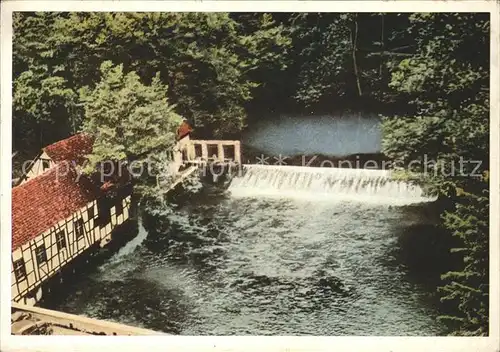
25,318
219,155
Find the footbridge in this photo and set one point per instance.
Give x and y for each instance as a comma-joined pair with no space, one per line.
206,151
191,155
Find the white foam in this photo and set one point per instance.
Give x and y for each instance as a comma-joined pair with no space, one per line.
326,184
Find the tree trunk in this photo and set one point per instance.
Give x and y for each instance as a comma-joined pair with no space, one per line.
354,40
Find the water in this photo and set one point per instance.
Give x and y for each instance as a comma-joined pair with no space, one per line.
283,251
329,135
326,184
225,265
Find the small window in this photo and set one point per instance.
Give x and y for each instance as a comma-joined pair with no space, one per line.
61,240
45,164
119,208
91,212
19,269
41,254
78,228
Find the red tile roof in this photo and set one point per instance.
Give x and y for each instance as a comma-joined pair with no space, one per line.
183,130
74,148
43,201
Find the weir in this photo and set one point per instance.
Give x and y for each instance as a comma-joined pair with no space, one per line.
365,185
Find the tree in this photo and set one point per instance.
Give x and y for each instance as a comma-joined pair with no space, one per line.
204,58
447,82
42,103
322,56
211,62
343,59
129,120
42,96
468,289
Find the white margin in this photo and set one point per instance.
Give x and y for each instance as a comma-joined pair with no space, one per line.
494,218
181,343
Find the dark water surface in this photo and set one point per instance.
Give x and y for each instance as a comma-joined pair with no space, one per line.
340,134
237,266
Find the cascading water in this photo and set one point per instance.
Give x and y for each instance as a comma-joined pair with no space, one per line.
220,265
365,185
217,264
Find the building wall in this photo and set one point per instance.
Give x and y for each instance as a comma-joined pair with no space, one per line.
183,146
37,273
41,164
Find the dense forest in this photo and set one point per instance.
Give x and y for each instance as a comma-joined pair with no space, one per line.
131,77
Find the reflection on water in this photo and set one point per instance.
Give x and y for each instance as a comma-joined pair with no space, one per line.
328,135
236,266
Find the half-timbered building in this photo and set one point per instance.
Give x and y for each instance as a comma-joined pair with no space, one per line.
57,214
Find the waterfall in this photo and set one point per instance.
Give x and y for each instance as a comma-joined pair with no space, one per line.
366,185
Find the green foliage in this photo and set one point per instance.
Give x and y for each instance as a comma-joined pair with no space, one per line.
41,105
42,97
468,289
211,63
204,58
448,140
129,120
338,56
323,55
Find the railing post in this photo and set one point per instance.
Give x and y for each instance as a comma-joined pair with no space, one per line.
204,151
237,152
191,152
220,151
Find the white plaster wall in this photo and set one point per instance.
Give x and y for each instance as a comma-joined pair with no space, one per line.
183,144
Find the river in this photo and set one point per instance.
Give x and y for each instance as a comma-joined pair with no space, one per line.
339,135
220,264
